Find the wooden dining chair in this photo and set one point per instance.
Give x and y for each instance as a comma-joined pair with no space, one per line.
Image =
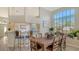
40,47
33,46
64,42
39,35
36,46
50,47
56,45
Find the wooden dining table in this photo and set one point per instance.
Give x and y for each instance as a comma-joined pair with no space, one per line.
44,41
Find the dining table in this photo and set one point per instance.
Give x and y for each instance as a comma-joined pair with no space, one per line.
45,42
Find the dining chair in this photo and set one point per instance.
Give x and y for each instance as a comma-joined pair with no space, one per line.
36,46
40,47
50,47
39,35
64,42
33,46
56,44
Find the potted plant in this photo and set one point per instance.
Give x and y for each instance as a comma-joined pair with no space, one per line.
51,29
51,32
74,34
71,35
77,36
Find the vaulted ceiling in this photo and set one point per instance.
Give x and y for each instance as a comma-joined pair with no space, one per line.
19,14
31,11
51,8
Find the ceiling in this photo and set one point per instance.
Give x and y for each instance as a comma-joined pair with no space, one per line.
32,11
51,8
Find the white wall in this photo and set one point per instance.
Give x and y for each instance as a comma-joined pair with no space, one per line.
32,11
3,19
4,12
28,15
16,14
31,14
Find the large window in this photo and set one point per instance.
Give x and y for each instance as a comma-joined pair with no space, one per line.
65,19
44,24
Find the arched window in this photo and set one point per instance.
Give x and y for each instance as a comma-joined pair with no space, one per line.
65,18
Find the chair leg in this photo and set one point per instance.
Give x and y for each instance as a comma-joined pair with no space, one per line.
64,47
60,47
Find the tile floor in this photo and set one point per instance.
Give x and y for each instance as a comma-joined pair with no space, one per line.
4,45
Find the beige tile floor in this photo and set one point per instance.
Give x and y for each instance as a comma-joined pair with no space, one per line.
72,45
4,45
